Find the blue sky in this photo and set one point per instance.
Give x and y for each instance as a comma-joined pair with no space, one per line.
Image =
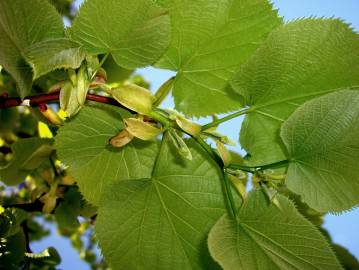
342,228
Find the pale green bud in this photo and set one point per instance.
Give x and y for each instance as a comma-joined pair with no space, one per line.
121,139
68,99
82,85
141,129
188,126
180,144
134,97
224,153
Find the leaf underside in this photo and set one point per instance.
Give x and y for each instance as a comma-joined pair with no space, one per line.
322,138
267,237
210,39
300,61
162,221
136,33
83,145
19,29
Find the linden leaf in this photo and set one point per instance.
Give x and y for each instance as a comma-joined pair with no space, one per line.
268,238
53,54
83,145
322,139
210,40
136,33
162,221
300,61
28,155
22,24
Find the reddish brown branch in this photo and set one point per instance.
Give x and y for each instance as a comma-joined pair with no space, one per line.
6,102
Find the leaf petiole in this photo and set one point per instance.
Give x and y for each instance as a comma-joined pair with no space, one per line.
217,122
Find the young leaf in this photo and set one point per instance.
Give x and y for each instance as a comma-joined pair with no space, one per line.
210,39
53,54
83,145
28,155
136,32
20,27
300,61
162,221
322,139
266,237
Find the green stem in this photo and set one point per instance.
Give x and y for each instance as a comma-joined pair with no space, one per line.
226,181
253,169
161,119
227,189
229,195
226,118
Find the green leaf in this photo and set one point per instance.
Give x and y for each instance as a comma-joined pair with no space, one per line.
347,259
20,27
322,138
115,73
300,61
53,54
210,39
83,145
267,237
136,33
28,155
162,221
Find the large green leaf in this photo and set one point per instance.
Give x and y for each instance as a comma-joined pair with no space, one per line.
162,221
322,138
210,39
49,55
24,23
269,237
28,155
83,145
136,32
299,61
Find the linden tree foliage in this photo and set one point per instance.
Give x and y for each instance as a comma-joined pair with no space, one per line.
86,146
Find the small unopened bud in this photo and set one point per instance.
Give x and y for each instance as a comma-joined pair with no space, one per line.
68,180
121,139
224,153
180,144
140,129
49,201
188,126
134,97
239,185
82,85
101,76
68,99
50,115
218,136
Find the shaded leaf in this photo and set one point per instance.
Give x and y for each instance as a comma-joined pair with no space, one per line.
83,145
20,27
28,155
53,54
